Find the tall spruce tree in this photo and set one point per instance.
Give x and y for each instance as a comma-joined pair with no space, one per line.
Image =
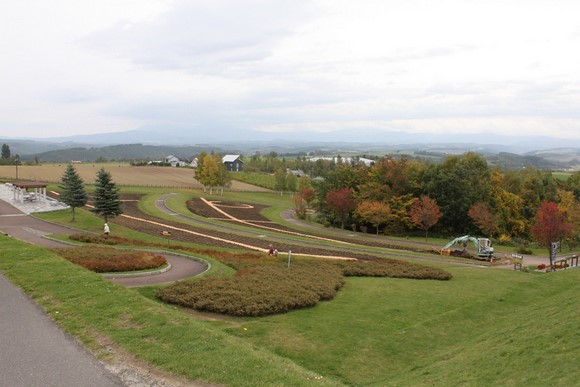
73,190
6,151
106,198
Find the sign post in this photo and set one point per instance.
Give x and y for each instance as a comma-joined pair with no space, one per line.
553,250
166,234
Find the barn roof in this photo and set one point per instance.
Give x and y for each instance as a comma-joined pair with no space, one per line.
230,158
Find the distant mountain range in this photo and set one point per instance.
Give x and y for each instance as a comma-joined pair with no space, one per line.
248,140
155,144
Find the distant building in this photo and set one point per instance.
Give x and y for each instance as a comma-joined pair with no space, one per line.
295,172
233,163
175,162
345,160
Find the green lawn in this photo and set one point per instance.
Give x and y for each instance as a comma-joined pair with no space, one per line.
484,327
461,332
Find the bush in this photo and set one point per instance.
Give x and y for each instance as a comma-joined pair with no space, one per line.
96,238
263,290
524,250
109,260
264,286
392,268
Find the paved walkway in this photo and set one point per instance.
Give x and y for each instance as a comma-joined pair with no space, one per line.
34,352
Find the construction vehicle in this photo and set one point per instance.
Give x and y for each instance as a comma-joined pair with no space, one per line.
482,245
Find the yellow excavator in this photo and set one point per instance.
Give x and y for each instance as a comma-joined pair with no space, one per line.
482,245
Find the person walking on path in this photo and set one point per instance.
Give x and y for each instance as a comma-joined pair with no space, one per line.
272,251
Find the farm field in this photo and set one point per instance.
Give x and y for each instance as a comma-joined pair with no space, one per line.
123,174
486,326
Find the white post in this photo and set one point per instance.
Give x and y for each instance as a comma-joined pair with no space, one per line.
289,257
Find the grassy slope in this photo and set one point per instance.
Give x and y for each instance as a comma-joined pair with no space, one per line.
481,328
158,334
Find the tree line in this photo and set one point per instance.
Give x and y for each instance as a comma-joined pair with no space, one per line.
461,195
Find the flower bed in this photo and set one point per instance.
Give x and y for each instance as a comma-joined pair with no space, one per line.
109,260
266,286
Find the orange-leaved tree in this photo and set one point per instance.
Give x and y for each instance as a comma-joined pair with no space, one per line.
483,218
373,212
425,213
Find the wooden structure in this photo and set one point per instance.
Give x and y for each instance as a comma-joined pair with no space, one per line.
565,262
22,191
518,261
233,163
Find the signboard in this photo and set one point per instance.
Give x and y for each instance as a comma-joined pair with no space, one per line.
517,261
554,250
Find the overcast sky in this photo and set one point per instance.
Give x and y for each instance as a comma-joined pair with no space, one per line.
505,67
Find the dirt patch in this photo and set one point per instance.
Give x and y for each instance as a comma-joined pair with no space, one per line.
136,373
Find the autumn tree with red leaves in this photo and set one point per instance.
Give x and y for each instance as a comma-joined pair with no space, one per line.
551,225
307,194
425,213
482,217
341,203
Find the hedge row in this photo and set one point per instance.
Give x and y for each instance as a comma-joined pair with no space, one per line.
95,238
109,260
392,268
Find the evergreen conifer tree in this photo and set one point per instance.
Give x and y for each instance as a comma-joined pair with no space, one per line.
73,189
6,151
106,198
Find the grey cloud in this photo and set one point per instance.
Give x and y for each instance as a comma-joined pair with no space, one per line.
200,36
73,95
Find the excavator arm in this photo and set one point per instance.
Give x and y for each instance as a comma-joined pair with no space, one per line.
463,239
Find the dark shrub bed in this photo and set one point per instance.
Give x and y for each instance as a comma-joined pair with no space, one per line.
108,260
259,291
264,286
95,238
392,268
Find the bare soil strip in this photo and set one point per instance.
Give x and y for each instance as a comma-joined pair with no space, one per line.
231,217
